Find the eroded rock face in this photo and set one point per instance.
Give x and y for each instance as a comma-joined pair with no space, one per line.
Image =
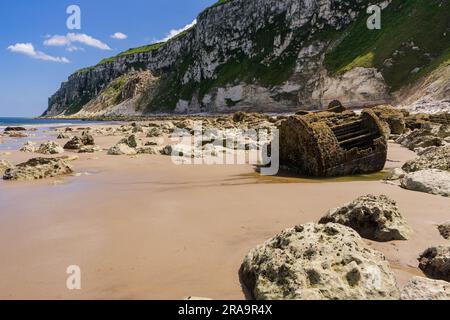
38,168
419,288
50,147
431,181
432,158
318,261
435,262
373,217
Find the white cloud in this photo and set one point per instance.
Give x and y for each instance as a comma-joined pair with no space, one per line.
70,38
29,50
174,32
119,36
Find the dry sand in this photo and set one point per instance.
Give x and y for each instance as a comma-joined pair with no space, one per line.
143,228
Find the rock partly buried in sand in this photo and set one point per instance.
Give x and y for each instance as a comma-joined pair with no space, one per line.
77,143
431,158
122,149
17,134
132,141
373,217
4,165
50,147
429,181
419,288
10,129
444,230
87,139
435,263
89,149
28,147
317,262
74,144
38,168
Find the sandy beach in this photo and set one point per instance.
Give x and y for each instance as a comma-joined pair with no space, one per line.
143,228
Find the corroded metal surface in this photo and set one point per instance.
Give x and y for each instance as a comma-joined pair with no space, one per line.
327,144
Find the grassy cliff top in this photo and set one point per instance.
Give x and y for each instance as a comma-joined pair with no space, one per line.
414,40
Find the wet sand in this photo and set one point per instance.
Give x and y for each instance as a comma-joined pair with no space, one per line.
144,228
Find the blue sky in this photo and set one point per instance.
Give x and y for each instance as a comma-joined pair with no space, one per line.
38,51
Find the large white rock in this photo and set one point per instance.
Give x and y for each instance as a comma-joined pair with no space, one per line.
429,181
419,288
316,262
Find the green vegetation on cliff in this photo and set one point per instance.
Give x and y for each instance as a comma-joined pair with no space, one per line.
414,39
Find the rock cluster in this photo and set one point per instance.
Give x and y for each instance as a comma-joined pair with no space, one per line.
318,261
38,168
373,217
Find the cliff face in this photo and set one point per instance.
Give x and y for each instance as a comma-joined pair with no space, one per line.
259,55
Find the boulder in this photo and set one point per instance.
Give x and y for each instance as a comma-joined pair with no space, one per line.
74,144
444,229
435,262
419,288
122,149
373,217
431,158
38,168
29,147
132,141
50,147
16,134
431,181
392,116
318,262
4,165
336,106
10,129
87,139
